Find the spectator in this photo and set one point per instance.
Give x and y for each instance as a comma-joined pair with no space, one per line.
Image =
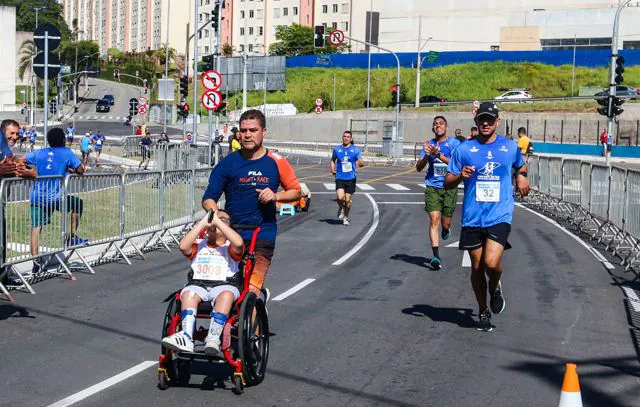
459,136
138,131
22,135
163,138
188,139
46,194
524,142
85,149
33,137
474,133
145,147
509,136
234,143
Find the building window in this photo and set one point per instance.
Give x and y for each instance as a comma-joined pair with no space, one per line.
582,43
250,30
335,8
259,13
325,9
241,30
250,47
241,13
345,26
631,45
250,13
345,8
206,49
285,11
295,11
242,45
276,13
206,33
260,31
334,25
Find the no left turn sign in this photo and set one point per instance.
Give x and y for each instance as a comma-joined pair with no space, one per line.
211,100
336,37
211,80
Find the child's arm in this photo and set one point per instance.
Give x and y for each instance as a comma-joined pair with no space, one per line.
237,244
186,244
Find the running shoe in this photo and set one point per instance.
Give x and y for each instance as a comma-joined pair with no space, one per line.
346,222
76,241
446,234
212,346
178,341
340,214
497,301
484,322
435,263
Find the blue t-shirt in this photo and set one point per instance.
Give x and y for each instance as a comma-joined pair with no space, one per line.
239,178
146,141
346,159
488,193
22,133
70,131
5,150
98,139
85,143
437,169
50,161
33,135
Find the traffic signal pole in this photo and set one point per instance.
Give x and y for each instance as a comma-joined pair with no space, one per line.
195,76
612,73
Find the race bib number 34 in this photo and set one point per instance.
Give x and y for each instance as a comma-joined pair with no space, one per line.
488,191
210,268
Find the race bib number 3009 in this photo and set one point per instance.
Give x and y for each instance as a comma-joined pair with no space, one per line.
488,191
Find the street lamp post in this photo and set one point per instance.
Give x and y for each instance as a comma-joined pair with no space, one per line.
166,67
36,10
419,62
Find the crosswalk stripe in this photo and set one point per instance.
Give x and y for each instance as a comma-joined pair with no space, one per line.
421,185
454,244
365,187
466,259
398,187
330,187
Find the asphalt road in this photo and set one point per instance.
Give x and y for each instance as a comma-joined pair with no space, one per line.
381,328
97,89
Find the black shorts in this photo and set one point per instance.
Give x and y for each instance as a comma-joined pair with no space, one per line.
349,185
474,237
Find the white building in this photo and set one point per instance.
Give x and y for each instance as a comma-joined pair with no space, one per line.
8,53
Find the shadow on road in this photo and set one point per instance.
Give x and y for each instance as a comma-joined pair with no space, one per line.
415,260
459,316
331,221
9,311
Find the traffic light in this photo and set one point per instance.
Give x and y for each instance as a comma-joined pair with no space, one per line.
318,38
619,69
616,102
223,104
52,106
184,86
214,17
207,60
611,106
394,95
604,102
179,111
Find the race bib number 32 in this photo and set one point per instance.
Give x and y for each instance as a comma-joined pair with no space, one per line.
488,191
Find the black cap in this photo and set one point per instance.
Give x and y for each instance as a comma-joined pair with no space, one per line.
488,108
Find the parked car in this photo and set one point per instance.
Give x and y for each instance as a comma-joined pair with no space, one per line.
432,99
515,94
103,106
109,98
622,91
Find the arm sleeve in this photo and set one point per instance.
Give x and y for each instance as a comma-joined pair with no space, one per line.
455,164
359,155
334,157
288,178
4,146
216,183
30,158
194,251
74,162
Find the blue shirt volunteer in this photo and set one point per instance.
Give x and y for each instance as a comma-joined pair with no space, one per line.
488,193
346,159
48,162
70,132
437,169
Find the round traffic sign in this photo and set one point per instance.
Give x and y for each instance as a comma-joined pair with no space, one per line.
142,109
319,109
142,100
52,31
211,100
211,80
38,65
319,102
336,37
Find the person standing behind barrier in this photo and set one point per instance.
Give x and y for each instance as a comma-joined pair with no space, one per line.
250,179
474,133
524,142
234,144
345,160
145,149
188,139
604,139
164,139
85,149
485,165
98,140
33,137
46,194
439,203
459,136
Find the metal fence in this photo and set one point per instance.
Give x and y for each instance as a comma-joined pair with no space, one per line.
96,218
601,201
167,156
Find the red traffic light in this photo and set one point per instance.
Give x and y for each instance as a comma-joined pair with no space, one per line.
394,88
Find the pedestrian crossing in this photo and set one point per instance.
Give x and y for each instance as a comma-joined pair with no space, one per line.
102,118
369,188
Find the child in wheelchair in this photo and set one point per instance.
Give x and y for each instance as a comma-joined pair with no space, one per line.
214,277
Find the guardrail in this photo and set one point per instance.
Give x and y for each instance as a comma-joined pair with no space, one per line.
601,201
168,156
116,215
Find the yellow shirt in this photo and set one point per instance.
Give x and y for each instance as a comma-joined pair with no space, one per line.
235,145
523,143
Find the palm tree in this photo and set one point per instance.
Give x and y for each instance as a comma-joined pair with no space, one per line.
27,52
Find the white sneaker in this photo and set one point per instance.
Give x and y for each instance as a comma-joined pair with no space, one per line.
178,341
340,214
346,222
212,346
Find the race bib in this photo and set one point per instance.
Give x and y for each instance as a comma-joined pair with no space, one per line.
346,166
210,268
488,191
439,169
98,142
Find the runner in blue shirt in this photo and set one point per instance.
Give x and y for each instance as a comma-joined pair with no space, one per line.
439,203
33,137
46,194
22,134
85,149
345,160
70,132
98,140
485,164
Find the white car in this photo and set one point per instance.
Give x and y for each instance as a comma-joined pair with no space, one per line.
515,95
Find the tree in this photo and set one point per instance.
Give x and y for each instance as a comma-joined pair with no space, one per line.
114,54
84,49
297,39
227,50
27,52
50,12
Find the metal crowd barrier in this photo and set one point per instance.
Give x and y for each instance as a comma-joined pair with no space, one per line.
602,201
107,216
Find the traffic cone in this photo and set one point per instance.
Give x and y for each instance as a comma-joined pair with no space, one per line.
570,395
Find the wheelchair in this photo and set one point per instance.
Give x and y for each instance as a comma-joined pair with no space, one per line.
245,336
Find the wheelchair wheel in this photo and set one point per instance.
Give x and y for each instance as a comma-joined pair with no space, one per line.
253,339
170,365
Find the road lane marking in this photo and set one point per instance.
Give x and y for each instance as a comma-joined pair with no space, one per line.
590,248
398,187
454,244
294,289
365,239
365,187
89,391
466,259
373,193
633,298
391,176
330,186
400,203
421,185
